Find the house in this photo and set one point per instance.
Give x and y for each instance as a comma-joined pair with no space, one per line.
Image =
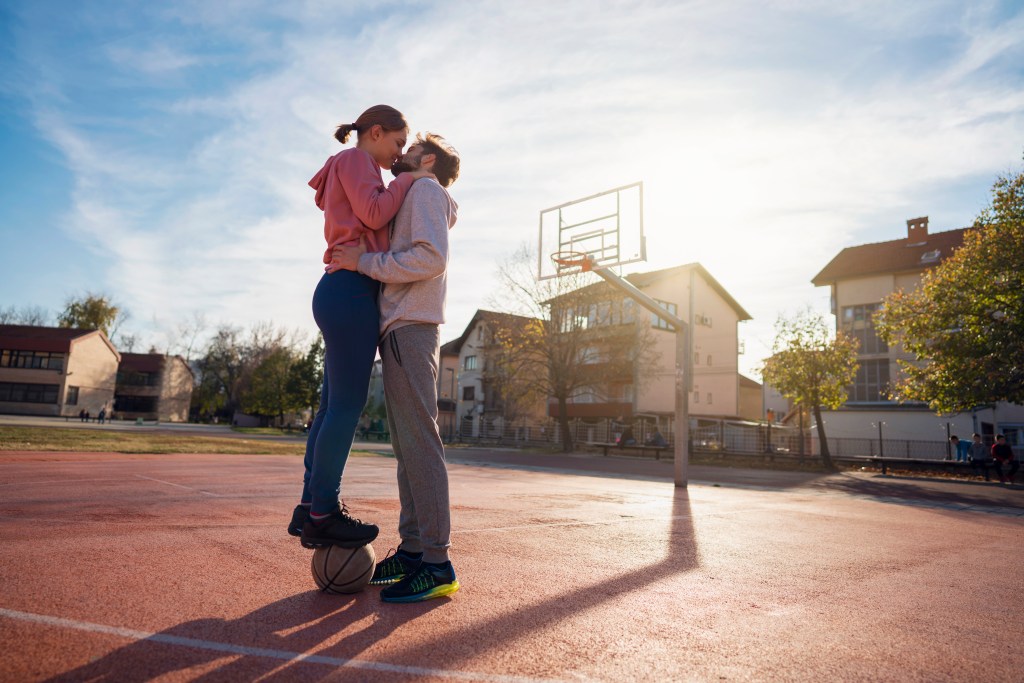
56,371
447,388
694,295
480,407
153,386
860,277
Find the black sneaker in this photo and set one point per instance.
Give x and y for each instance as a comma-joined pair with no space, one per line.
394,567
299,516
338,529
428,581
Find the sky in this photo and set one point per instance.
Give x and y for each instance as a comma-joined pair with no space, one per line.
159,153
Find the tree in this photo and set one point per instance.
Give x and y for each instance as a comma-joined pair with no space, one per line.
33,316
584,338
270,391
964,323
812,367
306,377
92,312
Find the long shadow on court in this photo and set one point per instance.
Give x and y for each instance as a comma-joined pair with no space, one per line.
300,623
454,646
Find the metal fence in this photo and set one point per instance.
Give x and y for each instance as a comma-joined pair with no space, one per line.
707,435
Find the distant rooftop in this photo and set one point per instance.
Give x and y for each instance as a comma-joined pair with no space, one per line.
914,253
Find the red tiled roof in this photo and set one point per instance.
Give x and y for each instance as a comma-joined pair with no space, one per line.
32,338
896,256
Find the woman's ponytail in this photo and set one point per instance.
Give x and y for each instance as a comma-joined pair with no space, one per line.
381,115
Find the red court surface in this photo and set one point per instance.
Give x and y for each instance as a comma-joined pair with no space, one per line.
171,568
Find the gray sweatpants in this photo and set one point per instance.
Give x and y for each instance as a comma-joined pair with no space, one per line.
409,359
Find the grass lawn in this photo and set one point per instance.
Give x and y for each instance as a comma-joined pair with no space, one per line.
127,441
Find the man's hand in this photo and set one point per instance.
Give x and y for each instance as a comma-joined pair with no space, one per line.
345,258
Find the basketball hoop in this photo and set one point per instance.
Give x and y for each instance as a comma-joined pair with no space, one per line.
573,259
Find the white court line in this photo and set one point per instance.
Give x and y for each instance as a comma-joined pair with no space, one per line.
180,486
285,655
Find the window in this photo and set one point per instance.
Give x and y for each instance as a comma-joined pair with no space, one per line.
709,365
871,383
71,399
135,404
470,363
859,323
468,393
659,322
628,311
696,397
34,360
709,398
16,392
132,378
696,357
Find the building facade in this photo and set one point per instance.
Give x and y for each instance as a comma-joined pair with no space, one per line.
860,278
153,386
56,371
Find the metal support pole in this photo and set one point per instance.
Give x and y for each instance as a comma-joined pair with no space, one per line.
683,373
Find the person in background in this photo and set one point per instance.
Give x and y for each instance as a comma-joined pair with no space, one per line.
1002,454
960,448
978,456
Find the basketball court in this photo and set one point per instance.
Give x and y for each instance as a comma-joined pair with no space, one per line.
134,567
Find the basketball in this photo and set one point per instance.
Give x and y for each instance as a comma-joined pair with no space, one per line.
343,570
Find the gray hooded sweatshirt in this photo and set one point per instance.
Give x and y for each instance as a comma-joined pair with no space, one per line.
415,269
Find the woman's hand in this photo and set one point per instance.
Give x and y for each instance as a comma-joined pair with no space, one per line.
345,258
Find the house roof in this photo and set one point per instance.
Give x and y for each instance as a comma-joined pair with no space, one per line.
894,256
481,315
749,383
642,280
50,339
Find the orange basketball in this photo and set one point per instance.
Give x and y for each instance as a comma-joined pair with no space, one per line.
343,570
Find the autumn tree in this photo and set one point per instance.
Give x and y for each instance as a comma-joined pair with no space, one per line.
812,366
93,312
585,337
964,323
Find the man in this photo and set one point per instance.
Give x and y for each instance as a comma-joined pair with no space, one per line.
978,456
959,448
1002,454
412,301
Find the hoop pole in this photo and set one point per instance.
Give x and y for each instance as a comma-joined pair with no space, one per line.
683,370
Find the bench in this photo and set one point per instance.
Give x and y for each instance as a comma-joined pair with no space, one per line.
635,449
378,434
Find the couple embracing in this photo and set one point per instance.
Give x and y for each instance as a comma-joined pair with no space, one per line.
384,286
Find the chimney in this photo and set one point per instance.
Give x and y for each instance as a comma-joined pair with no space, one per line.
917,230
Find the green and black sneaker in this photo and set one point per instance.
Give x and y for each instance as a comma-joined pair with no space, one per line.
394,567
428,581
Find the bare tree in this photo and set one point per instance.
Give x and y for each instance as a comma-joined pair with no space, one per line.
34,316
586,339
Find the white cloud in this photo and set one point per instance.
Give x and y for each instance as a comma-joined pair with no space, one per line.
768,139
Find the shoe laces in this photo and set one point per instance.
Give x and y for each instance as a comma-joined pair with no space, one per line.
346,517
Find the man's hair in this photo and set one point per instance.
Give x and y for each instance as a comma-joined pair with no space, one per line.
446,159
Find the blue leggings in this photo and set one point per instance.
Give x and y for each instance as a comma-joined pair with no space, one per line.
345,310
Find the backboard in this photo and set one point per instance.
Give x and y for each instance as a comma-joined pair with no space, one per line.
607,226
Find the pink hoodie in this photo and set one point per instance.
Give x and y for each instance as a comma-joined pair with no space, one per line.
350,191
